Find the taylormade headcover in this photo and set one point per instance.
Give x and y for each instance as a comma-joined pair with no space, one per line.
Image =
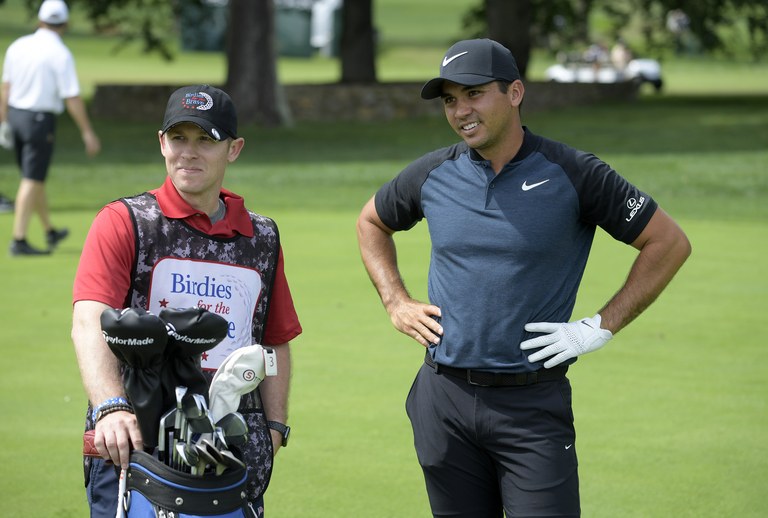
135,336
139,339
191,332
240,373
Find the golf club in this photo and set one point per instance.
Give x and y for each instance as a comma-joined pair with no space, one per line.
234,428
180,391
166,423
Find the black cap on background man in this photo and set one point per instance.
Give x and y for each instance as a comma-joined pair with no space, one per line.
472,63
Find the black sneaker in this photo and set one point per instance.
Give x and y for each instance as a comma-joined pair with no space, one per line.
21,247
54,236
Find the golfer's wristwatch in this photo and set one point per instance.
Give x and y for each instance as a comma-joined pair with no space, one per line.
284,430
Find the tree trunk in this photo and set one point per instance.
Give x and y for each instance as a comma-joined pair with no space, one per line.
509,23
358,54
251,64
582,8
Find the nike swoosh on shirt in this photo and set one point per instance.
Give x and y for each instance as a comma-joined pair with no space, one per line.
527,187
447,59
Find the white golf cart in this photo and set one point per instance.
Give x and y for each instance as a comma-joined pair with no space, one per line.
639,70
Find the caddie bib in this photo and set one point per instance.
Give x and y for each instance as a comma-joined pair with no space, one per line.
178,266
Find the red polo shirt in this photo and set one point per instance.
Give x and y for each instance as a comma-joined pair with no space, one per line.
104,272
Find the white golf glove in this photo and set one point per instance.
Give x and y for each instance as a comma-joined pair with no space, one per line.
565,341
6,136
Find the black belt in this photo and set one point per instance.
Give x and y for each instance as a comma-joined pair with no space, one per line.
498,379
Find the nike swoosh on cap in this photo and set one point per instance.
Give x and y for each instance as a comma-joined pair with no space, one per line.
527,187
447,59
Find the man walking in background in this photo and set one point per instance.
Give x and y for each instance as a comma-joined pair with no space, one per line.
512,216
38,81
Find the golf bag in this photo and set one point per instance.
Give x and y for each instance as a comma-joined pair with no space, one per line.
154,490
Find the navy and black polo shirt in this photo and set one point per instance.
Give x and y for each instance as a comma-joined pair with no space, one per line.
511,248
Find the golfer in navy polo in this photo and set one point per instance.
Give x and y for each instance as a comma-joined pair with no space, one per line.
511,216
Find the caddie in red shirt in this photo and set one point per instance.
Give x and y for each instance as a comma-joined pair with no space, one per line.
187,243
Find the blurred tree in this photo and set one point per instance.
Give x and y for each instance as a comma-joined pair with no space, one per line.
251,56
509,23
521,25
251,65
707,20
358,48
563,25
251,52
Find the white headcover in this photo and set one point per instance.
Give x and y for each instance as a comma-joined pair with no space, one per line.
240,373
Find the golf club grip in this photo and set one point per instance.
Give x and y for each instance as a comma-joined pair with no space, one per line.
89,448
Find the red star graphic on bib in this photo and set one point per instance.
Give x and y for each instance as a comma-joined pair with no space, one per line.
164,303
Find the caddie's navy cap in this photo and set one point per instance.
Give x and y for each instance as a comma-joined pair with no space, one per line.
208,107
473,62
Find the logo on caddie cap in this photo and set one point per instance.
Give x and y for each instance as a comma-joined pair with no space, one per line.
208,107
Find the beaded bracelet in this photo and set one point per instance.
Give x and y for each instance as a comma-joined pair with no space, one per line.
112,408
109,402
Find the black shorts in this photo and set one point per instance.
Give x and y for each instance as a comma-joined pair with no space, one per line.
486,451
33,133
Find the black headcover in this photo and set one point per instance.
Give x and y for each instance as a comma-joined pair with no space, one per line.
135,336
139,340
191,331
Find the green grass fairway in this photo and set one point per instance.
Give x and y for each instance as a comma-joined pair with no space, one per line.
671,416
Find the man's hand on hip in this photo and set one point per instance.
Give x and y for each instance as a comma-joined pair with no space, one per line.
418,320
564,341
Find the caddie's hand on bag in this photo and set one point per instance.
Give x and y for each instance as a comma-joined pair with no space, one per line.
6,136
565,341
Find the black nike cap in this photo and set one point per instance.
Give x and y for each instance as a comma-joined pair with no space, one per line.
473,62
